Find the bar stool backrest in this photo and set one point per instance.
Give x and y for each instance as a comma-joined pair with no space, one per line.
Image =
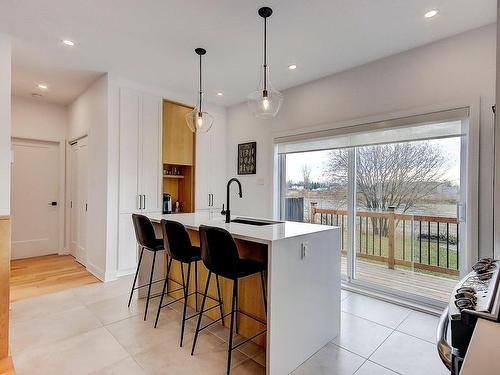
144,231
219,251
176,240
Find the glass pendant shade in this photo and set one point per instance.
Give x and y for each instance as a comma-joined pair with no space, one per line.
266,101
199,122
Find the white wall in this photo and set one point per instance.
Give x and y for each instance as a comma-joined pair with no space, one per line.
447,71
88,115
5,123
35,119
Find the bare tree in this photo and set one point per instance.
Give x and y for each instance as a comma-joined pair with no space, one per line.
396,175
306,175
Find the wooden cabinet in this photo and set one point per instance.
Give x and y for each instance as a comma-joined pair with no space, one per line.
140,180
211,168
178,140
178,156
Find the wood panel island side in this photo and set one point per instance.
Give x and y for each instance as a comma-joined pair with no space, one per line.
303,284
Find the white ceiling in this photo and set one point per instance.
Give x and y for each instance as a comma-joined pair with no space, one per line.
152,41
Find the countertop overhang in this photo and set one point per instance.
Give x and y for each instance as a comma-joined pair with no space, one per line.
263,234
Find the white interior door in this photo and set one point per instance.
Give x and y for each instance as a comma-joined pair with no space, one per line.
78,200
35,194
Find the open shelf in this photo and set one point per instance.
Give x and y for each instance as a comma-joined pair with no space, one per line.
172,176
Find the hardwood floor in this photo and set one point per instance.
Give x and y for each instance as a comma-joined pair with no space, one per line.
33,277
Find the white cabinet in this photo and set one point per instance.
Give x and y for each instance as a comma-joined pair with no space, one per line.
211,168
140,124
140,152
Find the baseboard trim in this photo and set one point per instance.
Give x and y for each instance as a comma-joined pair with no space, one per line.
125,272
96,271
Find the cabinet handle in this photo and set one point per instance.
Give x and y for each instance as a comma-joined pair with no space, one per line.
139,202
212,203
144,201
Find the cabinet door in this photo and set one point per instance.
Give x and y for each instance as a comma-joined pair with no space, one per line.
129,150
218,175
178,141
151,164
203,168
127,244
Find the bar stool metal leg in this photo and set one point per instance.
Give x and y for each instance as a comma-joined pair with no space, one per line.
196,285
149,287
186,292
135,278
236,318
165,287
220,300
201,312
230,343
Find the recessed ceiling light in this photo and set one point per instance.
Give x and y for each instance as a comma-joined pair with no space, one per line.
431,13
43,86
68,42
292,67
219,94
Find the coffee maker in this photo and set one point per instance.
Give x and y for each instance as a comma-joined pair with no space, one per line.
167,203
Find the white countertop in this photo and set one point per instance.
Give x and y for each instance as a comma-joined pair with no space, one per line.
263,234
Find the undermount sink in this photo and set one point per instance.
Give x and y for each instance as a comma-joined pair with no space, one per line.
257,222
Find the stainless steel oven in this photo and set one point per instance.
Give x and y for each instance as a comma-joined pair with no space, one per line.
475,296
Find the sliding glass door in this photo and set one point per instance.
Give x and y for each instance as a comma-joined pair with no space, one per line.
397,195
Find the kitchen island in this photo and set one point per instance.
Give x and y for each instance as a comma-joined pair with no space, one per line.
303,284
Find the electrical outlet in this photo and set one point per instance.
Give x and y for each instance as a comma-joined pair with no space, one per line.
304,249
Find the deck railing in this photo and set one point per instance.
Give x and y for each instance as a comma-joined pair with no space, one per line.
423,242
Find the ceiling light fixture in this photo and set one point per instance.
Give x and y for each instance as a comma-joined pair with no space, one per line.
68,42
43,86
431,13
219,94
197,120
266,101
292,67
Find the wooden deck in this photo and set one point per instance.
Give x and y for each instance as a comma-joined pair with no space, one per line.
402,280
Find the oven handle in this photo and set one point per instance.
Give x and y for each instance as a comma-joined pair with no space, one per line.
444,349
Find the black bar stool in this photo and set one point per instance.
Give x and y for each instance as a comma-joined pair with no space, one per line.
146,238
178,245
220,255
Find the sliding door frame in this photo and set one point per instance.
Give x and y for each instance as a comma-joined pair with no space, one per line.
471,158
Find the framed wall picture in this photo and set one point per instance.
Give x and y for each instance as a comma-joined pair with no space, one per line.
247,158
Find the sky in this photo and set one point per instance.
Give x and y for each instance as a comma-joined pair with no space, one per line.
317,161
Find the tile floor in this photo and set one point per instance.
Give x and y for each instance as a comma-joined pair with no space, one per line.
90,330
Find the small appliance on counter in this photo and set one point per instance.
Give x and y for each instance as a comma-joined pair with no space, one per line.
476,296
167,203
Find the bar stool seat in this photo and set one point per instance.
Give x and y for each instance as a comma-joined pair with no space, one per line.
247,267
157,245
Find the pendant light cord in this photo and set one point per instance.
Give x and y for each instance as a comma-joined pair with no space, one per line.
200,110
265,54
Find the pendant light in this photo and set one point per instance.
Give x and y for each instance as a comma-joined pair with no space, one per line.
266,101
197,120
